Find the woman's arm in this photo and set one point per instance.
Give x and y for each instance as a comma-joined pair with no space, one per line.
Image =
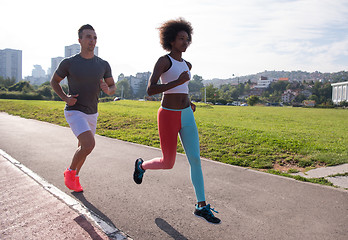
162,66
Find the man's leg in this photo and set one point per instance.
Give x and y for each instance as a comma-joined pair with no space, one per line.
86,145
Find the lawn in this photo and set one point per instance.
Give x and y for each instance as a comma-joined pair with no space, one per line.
258,137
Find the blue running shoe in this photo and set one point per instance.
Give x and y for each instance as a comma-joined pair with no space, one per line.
205,212
138,171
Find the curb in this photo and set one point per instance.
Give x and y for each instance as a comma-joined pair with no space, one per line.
111,231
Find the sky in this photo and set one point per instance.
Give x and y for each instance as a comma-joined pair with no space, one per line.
230,37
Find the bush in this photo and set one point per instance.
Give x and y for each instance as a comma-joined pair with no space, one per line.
45,91
344,104
20,95
21,86
106,99
252,100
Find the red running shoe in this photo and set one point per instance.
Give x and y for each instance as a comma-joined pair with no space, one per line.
69,178
78,187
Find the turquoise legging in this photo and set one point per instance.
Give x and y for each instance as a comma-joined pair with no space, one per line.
170,123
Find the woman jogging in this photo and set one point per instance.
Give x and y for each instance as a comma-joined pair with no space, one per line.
175,116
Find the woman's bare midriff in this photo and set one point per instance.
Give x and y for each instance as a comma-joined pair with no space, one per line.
175,101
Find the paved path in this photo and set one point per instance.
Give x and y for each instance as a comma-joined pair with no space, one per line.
252,205
329,173
27,211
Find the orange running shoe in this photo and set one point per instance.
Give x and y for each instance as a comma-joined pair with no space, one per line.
78,187
69,178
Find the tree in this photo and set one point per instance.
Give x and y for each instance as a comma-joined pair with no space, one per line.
241,89
123,89
46,91
196,84
234,93
7,82
300,98
326,91
315,98
279,86
212,93
252,100
22,86
224,93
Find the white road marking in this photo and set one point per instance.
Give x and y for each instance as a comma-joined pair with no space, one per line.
110,231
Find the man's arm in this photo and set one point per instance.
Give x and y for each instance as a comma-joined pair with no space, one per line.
108,85
69,99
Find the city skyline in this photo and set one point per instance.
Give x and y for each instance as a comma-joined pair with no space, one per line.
230,37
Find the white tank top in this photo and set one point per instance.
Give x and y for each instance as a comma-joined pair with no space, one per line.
173,74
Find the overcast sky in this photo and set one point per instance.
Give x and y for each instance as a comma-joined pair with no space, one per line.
231,37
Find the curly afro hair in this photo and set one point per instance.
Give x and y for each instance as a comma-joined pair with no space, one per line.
170,29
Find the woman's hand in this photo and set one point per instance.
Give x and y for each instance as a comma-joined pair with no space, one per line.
193,106
184,77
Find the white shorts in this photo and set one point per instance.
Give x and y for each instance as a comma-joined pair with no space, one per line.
80,122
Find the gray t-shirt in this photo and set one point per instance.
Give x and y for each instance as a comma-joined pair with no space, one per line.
84,79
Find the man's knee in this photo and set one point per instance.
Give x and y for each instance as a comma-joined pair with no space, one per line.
87,142
88,146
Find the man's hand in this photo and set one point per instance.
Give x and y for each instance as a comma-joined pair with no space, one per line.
104,86
71,99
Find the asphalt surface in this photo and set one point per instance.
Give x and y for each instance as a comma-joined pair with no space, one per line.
27,211
251,204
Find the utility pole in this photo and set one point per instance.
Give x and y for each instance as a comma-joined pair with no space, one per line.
205,94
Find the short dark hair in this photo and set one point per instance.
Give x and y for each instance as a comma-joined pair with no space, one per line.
170,29
86,26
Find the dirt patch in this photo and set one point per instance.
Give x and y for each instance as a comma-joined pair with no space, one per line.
286,168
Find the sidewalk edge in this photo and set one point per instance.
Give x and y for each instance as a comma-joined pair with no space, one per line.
112,232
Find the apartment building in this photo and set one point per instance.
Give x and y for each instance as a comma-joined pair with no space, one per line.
75,49
11,64
339,92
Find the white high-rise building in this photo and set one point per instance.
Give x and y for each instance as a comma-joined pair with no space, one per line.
55,63
11,64
38,72
75,49
72,50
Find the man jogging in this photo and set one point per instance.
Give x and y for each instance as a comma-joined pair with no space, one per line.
87,74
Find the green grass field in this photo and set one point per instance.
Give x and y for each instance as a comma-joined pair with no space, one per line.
257,137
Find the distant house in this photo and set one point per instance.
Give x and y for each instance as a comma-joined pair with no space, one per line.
283,79
339,92
263,82
309,103
288,96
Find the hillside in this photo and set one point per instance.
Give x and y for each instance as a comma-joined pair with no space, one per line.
293,76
